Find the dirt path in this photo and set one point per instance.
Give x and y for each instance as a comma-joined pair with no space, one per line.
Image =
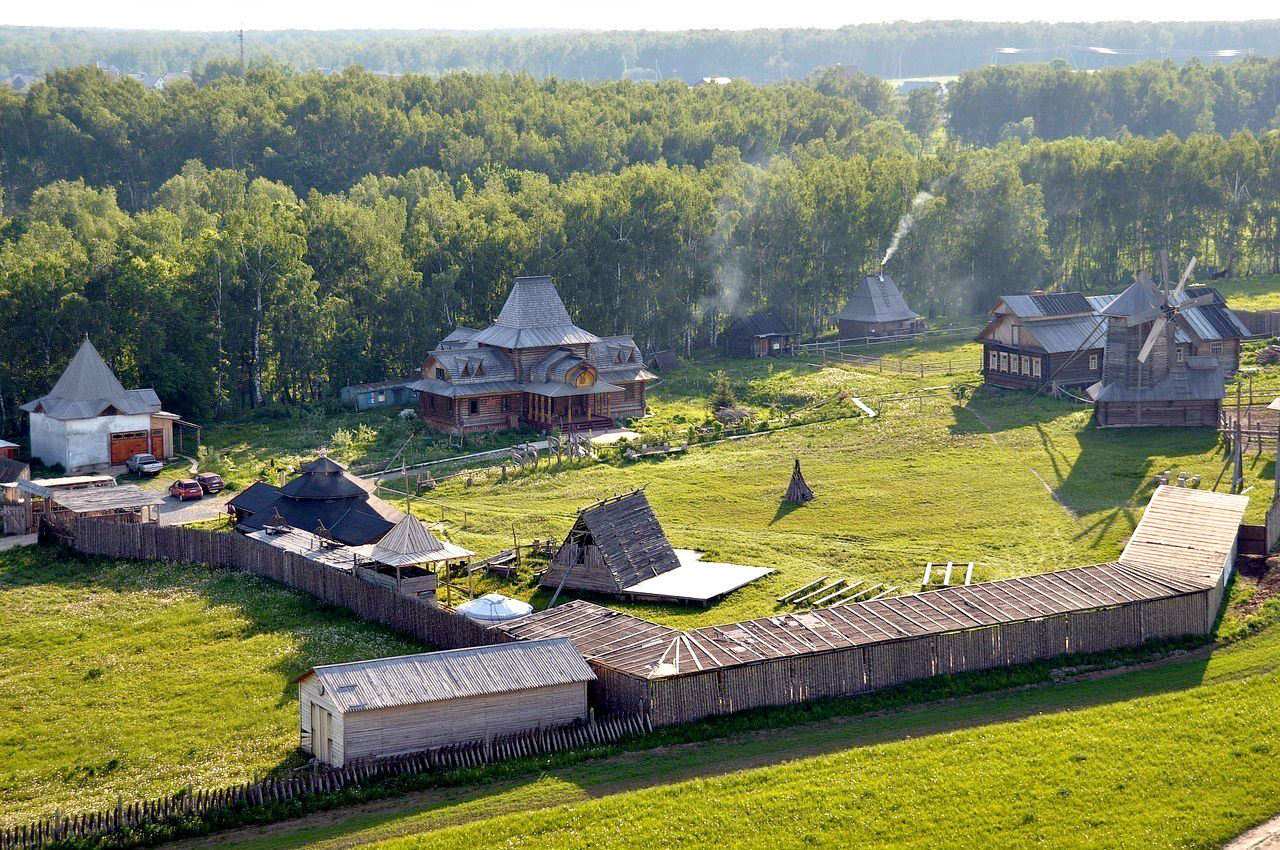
1265,837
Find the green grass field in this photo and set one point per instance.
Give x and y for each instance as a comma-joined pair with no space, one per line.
139,678
1177,754
1252,293
934,480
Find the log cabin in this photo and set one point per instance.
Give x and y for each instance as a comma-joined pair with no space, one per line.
877,309
761,334
415,703
532,368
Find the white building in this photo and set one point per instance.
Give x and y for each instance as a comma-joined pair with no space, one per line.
89,421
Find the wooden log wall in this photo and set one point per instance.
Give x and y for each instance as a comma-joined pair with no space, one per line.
406,614
846,672
188,802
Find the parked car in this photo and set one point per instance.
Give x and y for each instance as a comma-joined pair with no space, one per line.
186,488
143,464
210,482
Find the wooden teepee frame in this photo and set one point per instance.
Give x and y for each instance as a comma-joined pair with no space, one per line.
798,491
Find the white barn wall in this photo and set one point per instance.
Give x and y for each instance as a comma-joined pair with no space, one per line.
83,443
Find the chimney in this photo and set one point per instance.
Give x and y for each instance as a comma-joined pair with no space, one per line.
1039,292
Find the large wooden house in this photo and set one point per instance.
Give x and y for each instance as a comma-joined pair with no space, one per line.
1037,340
532,367
1058,340
762,334
89,421
877,309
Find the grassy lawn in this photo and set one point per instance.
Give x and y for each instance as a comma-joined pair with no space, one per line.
1253,293
139,678
1178,754
939,480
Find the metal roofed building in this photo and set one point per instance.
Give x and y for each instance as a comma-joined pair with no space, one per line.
389,393
761,334
323,499
89,421
1059,339
533,366
877,309
414,703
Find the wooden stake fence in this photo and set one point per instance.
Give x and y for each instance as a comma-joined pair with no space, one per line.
188,804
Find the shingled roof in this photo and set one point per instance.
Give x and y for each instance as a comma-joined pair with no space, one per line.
876,299
533,316
760,323
88,387
411,542
324,478
633,547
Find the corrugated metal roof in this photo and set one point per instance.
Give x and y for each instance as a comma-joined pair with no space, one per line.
451,674
91,499
876,299
1183,384
1065,335
1056,304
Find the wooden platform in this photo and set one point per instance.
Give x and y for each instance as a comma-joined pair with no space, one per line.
696,580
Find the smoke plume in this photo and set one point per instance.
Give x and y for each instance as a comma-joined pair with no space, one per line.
905,224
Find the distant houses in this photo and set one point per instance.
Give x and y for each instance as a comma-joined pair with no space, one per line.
89,421
876,308
761,334
533,367
393,393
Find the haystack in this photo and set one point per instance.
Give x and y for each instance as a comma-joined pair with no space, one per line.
798,491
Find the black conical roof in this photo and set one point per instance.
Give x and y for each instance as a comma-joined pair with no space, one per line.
323,478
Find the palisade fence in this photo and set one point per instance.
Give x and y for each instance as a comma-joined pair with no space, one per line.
189,804
406,614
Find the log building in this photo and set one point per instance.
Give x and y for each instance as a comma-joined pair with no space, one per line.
532,367
877,309
761,334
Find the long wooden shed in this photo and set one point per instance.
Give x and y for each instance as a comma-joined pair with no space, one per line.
416,703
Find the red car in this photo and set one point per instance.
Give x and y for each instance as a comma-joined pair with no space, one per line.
185,488
210,482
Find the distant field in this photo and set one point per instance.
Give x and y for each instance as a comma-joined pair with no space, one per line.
1253,293
140,678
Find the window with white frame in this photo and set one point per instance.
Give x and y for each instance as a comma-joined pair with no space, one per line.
1004,361
1180,354
993,360
1215,348
1026,365
1035,367
1093,362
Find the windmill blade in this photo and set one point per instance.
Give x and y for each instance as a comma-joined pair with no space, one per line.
1182,281
1156,330
1143,318
1091,340
1164,267
1198,301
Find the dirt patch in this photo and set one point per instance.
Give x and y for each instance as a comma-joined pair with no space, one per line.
1265,837
1264,571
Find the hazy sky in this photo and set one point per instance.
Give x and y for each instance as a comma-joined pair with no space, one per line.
590,14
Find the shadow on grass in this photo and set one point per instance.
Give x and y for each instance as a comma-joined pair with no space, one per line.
784,509
754,739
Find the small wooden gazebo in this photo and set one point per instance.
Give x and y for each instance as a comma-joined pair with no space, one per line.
798,491
410,556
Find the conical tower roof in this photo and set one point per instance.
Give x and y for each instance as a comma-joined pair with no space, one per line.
323,478
533,316
409,537
1139,298
798,491
87,377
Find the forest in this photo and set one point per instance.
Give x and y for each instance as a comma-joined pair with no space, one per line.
240,242
900,49
1053,101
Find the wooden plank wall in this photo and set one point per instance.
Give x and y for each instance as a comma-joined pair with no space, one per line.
846,672
406,614
1260,322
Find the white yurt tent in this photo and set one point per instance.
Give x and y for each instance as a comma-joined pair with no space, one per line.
494,608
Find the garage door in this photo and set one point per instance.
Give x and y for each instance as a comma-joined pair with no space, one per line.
126,444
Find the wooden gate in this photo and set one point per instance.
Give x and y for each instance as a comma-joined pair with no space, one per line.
126,444
1252,540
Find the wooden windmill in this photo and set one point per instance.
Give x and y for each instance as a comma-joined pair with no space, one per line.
1143,381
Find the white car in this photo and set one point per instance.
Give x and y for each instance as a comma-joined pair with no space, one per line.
143,464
